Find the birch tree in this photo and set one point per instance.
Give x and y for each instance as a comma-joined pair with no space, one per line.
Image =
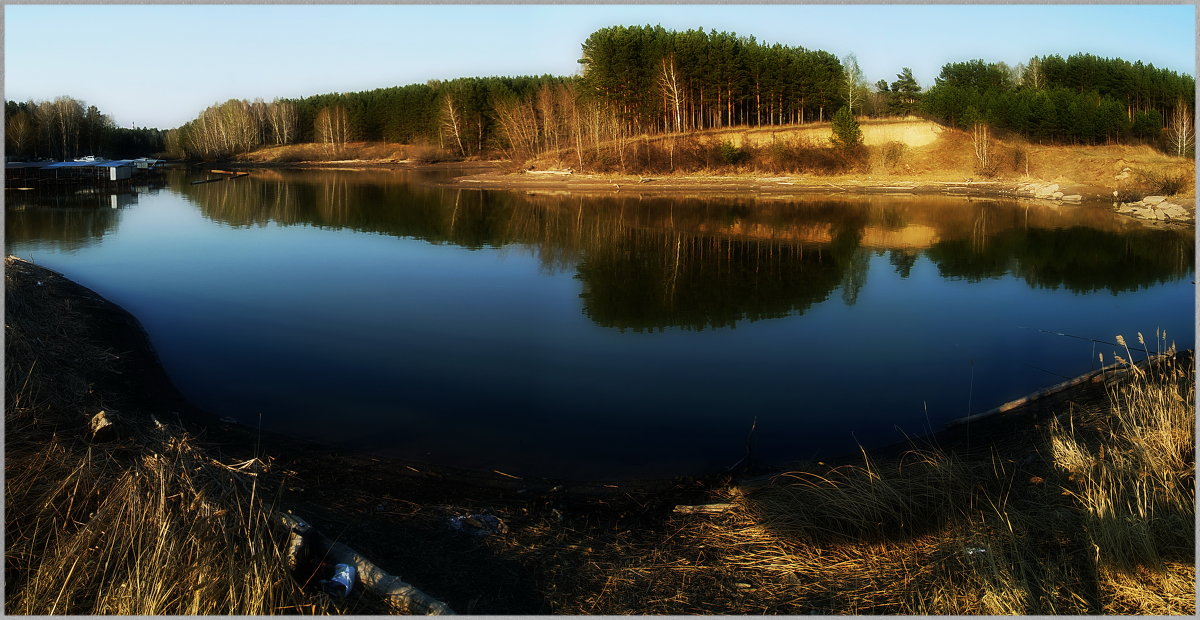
68,115
854,81
1181,131
452,122
668,81
18,132
281,116
332,127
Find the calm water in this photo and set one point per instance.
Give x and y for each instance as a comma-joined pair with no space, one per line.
608,336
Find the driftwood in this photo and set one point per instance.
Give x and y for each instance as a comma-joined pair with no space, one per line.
1107,373
703,509
406,598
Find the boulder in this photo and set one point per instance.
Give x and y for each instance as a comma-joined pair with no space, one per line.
1072,198
1056,195
102,427
1153,200
1175,212
1046,191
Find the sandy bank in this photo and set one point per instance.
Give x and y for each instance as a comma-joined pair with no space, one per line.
783,187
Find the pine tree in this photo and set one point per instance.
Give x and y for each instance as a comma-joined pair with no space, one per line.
846,133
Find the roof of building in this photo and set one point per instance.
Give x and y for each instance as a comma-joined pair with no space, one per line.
91,164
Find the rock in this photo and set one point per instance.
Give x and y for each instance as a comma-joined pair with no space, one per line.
1122,176
102,427
1153,200
1072,198
1046,191
1172,214
1056,195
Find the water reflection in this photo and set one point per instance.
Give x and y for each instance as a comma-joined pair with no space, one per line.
648,263
67,221
564,335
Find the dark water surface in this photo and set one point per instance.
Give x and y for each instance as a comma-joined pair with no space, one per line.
607,336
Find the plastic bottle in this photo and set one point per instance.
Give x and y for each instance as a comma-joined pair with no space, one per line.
341,582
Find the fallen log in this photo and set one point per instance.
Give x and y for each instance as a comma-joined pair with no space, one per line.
1107,373
703,508
406,598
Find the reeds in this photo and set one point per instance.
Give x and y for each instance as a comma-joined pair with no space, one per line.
136,519
1133,475
1091,514
171,532
1107,529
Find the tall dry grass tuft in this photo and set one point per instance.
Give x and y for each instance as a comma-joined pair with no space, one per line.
1106,526
135,519
1133,474
171,531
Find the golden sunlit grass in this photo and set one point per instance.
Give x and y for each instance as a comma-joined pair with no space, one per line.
1107,529
134,520
364,152
1093,516
1092,513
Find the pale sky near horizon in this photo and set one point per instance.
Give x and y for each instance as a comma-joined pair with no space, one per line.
160,65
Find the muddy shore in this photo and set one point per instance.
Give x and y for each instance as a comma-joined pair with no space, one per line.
397,512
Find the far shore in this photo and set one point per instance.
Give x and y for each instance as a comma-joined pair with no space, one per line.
772,184
505,175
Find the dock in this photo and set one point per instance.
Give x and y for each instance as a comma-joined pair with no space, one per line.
109,174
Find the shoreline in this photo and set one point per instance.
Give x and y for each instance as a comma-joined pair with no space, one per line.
397,513
1157,210
499,175
143,384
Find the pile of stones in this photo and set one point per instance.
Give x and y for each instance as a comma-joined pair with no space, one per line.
1158,208
1046,191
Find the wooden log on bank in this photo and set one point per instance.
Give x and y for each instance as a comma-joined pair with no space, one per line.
233,175
406,598
1112,371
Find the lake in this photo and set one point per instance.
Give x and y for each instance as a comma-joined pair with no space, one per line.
606,336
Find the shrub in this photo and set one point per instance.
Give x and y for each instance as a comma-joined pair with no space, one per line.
846,133
1163,183
731,155
798,155
893,153
1020,160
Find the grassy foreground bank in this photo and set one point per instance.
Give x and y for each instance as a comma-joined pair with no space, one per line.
1084,505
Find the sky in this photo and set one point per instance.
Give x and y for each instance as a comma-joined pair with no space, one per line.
160,65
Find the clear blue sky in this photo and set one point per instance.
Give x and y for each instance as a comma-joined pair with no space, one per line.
159,66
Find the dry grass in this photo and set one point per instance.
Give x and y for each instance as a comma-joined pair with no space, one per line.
1109,529
136,519
360,152
1093,517
898,150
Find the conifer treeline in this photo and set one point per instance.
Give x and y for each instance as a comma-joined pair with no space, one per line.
660,80
66,128
1080,99
646,79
